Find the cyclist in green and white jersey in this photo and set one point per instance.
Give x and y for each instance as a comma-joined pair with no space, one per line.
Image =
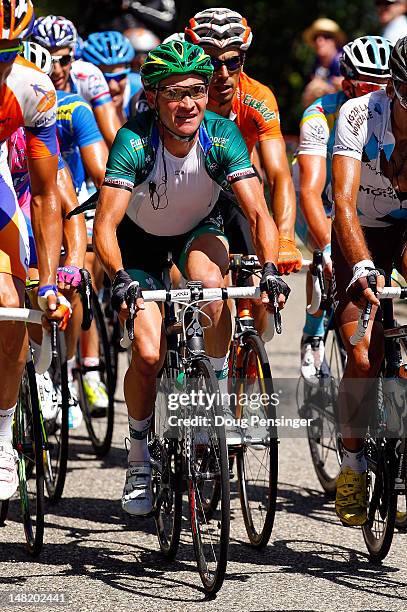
164,175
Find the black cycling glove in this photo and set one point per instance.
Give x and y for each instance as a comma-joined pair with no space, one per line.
270,281
120,284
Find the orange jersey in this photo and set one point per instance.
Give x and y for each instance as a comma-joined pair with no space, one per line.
255,111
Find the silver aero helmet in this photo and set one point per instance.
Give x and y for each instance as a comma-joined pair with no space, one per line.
219,27
367,56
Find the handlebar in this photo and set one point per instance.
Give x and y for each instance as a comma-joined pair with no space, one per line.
388,293
49,341
184,296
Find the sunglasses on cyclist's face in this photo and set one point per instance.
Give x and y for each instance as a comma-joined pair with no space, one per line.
116,76
174,93
400,89
326,35
63,60
232,63
9,54
364,87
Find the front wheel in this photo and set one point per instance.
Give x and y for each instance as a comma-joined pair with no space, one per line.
29,445
257,458
382,500
207,463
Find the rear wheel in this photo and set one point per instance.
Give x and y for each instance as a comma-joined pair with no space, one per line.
257,458
99,422
29,445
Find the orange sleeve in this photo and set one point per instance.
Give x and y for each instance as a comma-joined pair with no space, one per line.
266,114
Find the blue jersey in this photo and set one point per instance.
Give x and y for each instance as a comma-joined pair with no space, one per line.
77,128
133,86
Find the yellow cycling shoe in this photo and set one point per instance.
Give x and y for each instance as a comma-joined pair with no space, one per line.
351,498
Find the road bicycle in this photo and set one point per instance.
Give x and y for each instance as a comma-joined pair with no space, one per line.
191,454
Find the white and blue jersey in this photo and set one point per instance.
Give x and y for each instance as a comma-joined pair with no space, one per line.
364,132
133,86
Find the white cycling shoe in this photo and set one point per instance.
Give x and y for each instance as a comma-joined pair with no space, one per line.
8,470
312,357
46,395
137,498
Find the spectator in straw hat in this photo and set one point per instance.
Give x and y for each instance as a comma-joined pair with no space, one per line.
327,38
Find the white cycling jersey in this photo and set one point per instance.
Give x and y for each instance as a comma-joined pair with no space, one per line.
188,197
364,132
88,81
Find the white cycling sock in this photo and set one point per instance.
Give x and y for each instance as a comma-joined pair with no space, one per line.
6,423
355,461
138,440
71,363
91,362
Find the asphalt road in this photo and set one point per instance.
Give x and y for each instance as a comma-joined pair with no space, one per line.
104,560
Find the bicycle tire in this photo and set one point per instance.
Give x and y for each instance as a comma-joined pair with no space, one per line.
321,405
99,425
167,473
258,489
56,438
29,444
382,499
212,573
3,511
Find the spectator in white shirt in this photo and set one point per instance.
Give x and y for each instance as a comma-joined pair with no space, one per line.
392,16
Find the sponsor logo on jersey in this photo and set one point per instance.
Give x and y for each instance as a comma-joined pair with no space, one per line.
358,116
382,192
139,143
240,174
117,182
96,85
48,119
219,141
260,106
48,99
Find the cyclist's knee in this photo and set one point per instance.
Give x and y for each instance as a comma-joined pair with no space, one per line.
146,359
364,362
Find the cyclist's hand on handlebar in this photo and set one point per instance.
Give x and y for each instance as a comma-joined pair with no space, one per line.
121,283
274,291
289,257
56,307
366,282
68,277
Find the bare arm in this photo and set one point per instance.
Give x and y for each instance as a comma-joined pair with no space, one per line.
263,230
274,158
94,157
74,230
110,210
108,121
312,183
346,182
46,216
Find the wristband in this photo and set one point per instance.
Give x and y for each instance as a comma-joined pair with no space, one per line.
364,263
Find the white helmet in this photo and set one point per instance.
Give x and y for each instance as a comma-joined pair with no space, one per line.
366,56
180,36
219,27
142,40
33,52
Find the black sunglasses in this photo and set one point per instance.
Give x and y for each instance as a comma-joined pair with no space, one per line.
383,3
232,64
63,60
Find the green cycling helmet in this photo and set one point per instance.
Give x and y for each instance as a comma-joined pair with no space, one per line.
175,57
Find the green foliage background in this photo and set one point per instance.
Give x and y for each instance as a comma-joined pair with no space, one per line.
278,57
